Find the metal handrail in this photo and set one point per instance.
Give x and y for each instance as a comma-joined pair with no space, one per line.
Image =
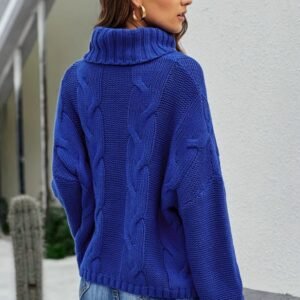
21,23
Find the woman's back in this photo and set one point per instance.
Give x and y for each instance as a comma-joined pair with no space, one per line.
136,167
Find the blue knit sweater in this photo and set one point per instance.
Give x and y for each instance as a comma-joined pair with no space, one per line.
137,170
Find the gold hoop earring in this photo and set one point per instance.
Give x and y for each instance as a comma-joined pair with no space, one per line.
143,13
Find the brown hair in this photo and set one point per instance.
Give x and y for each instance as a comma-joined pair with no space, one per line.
116,13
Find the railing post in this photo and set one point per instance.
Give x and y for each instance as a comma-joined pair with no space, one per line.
17,77
41,11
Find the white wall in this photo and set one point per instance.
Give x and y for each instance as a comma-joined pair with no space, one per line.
250,53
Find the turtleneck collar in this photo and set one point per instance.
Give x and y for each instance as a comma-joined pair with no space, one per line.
124,46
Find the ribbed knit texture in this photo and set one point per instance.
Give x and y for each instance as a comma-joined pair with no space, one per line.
137,169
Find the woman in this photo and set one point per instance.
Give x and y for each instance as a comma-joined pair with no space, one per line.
136,164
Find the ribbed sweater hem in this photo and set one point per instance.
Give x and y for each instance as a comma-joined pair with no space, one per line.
149,291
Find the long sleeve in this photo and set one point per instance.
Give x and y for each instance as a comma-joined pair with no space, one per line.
201,199
69,156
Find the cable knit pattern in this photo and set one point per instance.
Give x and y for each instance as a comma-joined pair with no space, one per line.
92,118
137,170
141,129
